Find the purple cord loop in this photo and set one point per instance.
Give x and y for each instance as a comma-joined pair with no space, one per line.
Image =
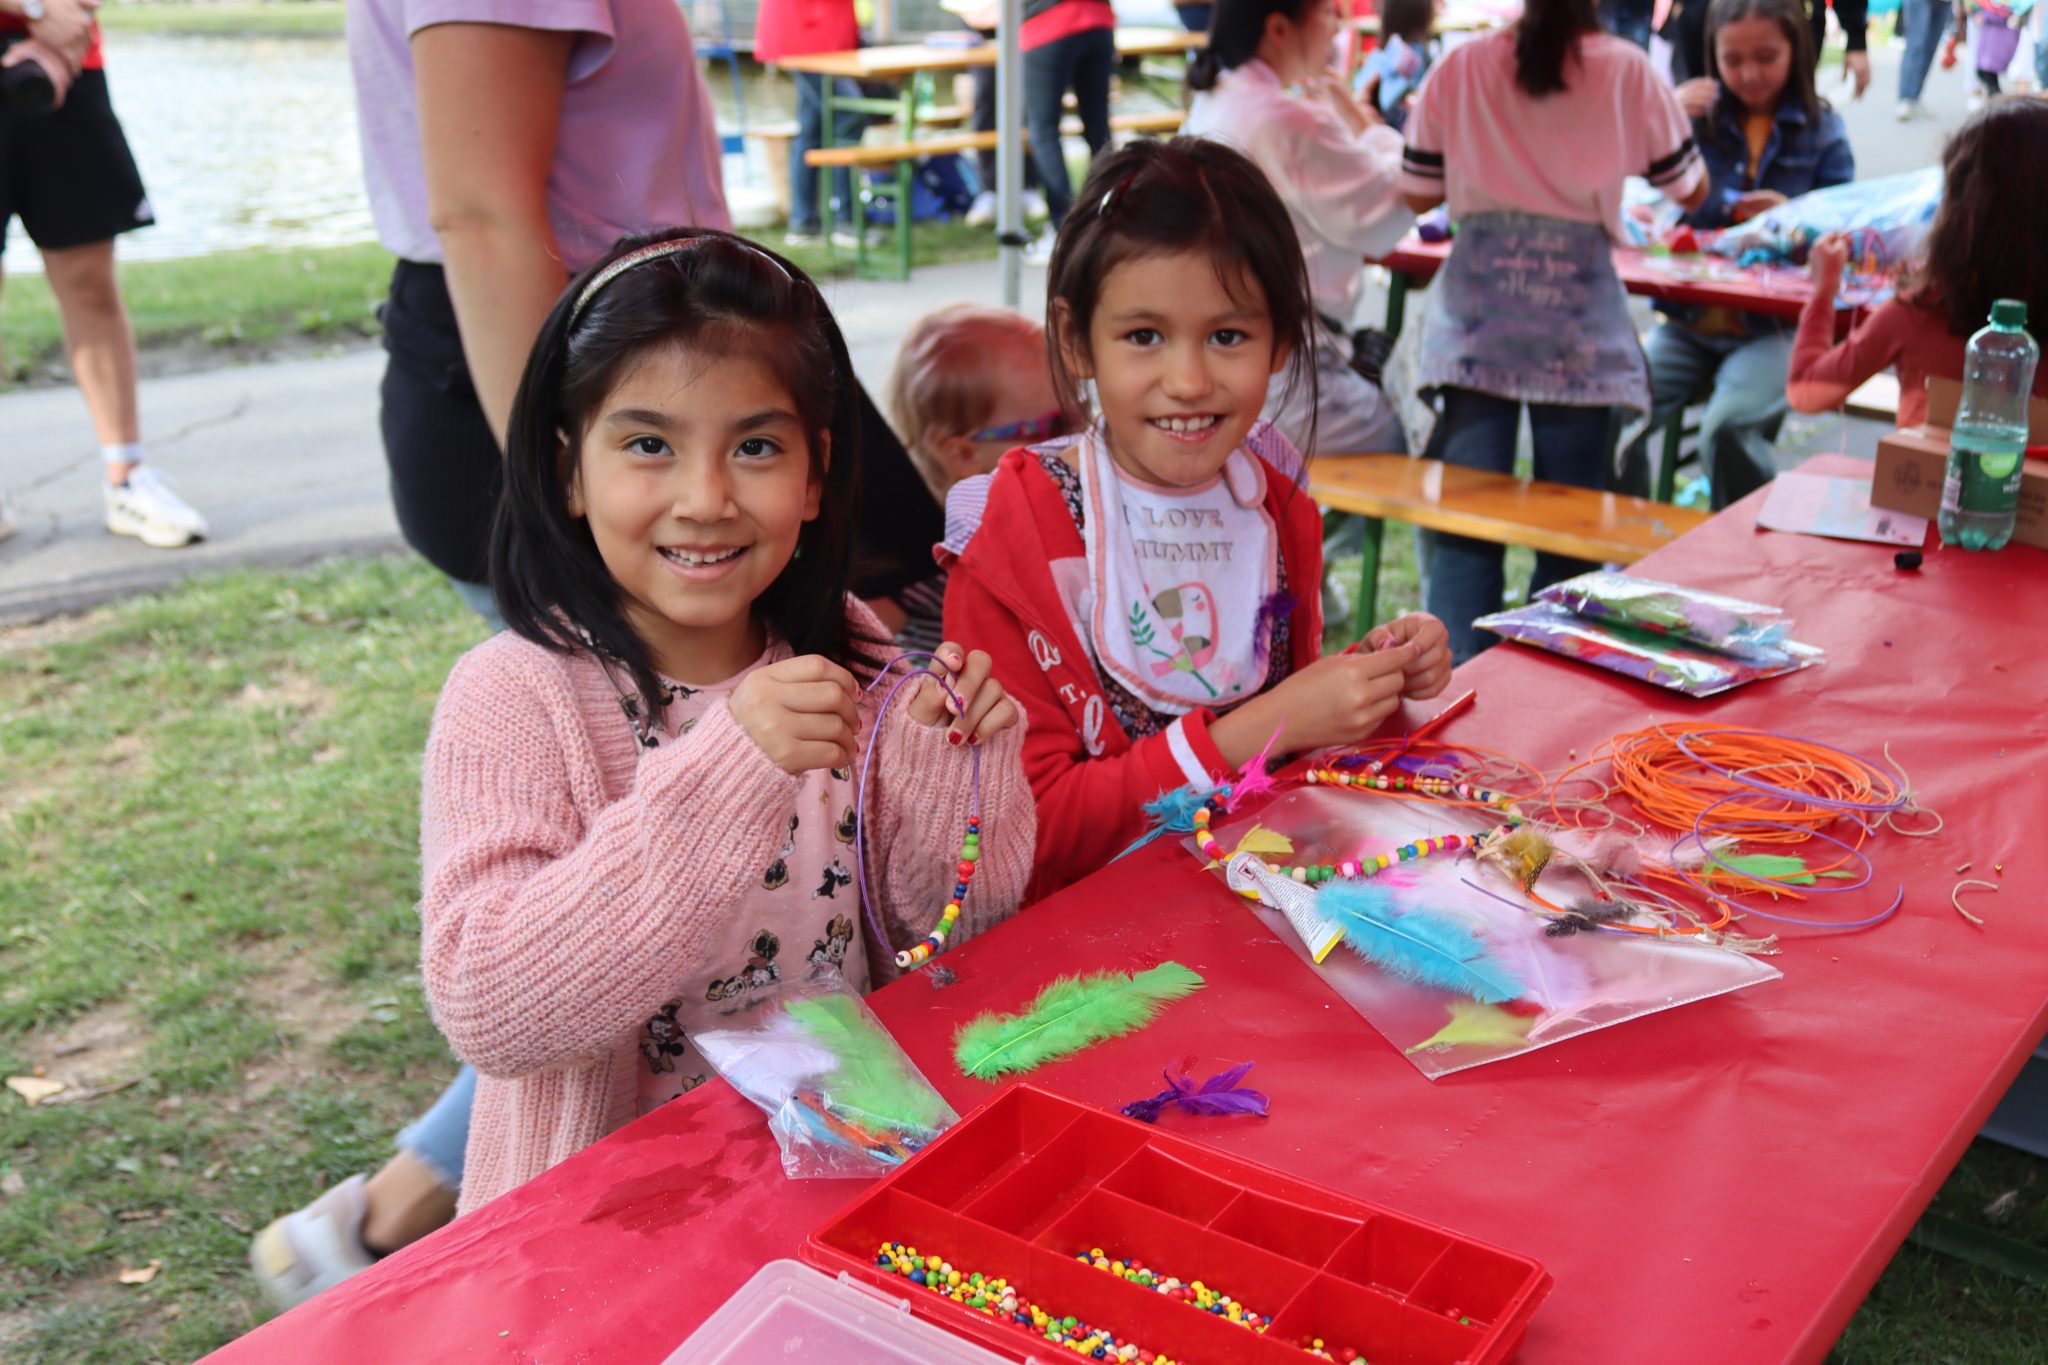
917,659
1703,829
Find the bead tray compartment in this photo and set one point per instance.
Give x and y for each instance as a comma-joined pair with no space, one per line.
1023,1184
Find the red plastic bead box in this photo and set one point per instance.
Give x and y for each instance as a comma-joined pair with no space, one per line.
1025,1183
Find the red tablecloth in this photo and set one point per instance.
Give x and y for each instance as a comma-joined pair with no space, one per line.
1781,293
1721,1182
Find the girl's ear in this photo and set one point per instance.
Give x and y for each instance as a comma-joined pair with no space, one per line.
958,456
572,480
814,491
1282,353
1073,347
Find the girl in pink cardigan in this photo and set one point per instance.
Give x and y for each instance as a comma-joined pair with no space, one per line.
637,810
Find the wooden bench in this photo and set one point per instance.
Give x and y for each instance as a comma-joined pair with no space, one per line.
869,157
902,155
1552,517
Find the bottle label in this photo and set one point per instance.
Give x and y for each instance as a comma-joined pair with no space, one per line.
1987,484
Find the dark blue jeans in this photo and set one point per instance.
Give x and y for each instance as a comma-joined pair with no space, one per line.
1462,578
1081,62
810,125
1923,22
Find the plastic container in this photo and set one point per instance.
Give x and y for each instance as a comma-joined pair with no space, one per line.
1030,1179
1980,497
789,1312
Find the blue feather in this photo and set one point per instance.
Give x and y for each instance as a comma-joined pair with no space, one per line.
1421,945
1171,812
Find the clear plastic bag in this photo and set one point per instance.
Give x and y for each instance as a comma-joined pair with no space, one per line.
1588,980
1749,630
842,1099
1887,220
1659,659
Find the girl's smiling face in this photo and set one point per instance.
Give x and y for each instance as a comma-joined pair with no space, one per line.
694,476
1755,59
1180,365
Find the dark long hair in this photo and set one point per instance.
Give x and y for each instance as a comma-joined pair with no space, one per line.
1547,40
1236,28
1790,16
722,296
1990,235
1159,197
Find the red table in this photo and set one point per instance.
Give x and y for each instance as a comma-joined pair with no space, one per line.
1414,262
1720,1182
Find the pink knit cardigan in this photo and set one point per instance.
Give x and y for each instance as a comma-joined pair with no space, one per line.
568,878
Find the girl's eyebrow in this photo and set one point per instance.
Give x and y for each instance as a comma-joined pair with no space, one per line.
638,417
767,417
1147,316
649,417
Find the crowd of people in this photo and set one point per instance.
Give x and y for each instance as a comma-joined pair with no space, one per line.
634,442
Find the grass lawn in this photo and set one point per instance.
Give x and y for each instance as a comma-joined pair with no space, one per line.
208,860
239,18
242,304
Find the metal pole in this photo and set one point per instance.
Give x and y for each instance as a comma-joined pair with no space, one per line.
1010,151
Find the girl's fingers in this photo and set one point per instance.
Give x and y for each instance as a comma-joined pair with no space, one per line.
976,694
927,703
1000,717
815,698
821,727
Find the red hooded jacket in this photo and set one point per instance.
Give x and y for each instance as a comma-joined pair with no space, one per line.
1089,777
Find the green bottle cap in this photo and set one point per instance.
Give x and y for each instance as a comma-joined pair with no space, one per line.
2009,313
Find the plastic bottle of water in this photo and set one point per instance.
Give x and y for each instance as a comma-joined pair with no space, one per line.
1981,495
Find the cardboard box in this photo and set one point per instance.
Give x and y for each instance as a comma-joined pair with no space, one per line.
1912,463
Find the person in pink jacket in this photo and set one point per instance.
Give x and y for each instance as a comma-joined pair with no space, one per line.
638,810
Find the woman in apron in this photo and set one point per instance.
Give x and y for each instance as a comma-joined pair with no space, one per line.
1527,134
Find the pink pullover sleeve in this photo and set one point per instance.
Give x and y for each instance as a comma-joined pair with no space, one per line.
1821,373
545,936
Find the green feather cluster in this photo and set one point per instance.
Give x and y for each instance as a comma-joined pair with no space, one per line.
874,1079
1070,1014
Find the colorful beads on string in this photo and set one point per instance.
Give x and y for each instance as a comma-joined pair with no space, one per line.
1396,782
1315,874
1191,1292
995,1297
970,856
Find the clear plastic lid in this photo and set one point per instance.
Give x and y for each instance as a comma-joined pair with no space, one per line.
789,1312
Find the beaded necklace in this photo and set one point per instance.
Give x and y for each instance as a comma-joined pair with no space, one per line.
970,843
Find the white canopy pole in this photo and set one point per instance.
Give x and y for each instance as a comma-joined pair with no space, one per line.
1010,150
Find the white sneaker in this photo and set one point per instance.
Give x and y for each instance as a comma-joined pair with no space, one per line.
145,507
1039,253
1909,110
1976,100
1035,209
982,212
845,239
6,520
314,1248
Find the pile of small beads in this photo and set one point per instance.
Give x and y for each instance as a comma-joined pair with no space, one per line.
997,1299
1191,1292
970,854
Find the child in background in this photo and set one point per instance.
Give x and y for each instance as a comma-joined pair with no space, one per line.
1393,72
1150,586
1987,243
1998,38
637,806
1766,137
1528,133
970,383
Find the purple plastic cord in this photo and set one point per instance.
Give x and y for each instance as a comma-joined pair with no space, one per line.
1702,828
916,658
1786,793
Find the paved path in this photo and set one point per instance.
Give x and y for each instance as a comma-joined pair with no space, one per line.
284,458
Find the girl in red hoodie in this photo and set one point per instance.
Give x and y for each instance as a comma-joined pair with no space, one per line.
1148,588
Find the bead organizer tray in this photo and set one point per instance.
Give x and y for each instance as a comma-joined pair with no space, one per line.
1031,1180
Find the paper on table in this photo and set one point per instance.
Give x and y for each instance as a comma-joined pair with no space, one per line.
1826,505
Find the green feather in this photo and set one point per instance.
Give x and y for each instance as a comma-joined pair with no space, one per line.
1068,1015
1771,867
874,1079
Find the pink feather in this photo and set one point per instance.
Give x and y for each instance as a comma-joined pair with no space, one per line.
1253,778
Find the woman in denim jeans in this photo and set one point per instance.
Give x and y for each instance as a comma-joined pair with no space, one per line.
1766,137
1068,45
1517,132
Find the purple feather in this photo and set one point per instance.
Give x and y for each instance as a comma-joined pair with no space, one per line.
1219,1096
1272,611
